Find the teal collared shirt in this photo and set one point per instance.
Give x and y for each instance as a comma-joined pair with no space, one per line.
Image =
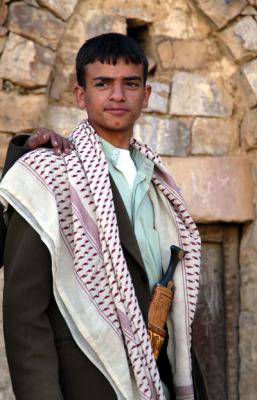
139,207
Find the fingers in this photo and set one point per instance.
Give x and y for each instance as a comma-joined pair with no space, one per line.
49,138
38,139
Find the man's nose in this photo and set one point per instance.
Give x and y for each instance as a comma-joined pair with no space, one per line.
117,93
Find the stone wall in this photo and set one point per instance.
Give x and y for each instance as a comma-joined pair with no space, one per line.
203,70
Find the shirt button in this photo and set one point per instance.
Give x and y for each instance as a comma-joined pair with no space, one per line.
115,151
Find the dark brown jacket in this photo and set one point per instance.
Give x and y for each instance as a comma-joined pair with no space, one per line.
44,361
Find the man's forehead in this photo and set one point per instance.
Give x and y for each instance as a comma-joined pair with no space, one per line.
120,69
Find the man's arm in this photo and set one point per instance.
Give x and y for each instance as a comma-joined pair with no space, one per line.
29,338
43,137
21,145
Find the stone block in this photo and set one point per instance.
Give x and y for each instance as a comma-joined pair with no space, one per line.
3,31
249,71
159,98
19,113
215,188
194,94
137,12
174,54
221,12
4,141
248,355
245,89
165,135
241,38
249,293
200,53
98,24
33,3
3,12
248,252
213,136
248,130
2,43
63,119
165,54
35,23
61,8
180,22
25,62
249,10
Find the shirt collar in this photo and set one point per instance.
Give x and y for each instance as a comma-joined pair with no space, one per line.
111,153
144,166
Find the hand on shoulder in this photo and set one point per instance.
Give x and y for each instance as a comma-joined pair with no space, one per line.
44,136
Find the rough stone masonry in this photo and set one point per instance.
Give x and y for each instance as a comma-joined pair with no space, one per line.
202,116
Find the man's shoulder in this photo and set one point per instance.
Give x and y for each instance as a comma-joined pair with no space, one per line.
42,157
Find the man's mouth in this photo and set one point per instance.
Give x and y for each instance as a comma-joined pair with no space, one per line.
116,110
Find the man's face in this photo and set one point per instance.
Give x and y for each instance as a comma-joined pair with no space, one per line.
114,96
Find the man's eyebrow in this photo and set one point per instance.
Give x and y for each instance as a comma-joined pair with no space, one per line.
133,78
126,78
102,78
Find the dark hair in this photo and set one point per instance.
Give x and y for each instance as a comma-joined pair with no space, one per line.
109,48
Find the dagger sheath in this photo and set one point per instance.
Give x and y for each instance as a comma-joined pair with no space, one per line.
161,301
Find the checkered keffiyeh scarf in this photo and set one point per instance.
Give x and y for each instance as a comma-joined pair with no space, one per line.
92,284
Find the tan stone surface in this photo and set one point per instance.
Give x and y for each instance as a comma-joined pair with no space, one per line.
241,38
213,136
249,10
180,22
167,136
245,89
37,24
3,31
174,54
4,141
215,188
249,71
248,354
220,11
2,43
61,8
159,98
20,113
136,11
63,119
200,53
194,94
165,53
3,11
26,63
248,129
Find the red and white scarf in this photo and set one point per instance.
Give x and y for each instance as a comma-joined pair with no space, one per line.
68,200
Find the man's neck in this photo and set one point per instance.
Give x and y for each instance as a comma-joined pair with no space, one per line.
118,139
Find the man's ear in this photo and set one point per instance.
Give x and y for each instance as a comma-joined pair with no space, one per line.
79,92
147,93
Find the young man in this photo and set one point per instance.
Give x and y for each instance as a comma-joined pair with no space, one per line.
87,241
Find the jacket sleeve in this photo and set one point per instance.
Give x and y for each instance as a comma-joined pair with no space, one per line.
16,149
28,334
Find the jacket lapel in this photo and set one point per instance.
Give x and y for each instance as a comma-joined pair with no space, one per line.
127,235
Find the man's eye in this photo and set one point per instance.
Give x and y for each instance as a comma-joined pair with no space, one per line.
101,84
132,84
